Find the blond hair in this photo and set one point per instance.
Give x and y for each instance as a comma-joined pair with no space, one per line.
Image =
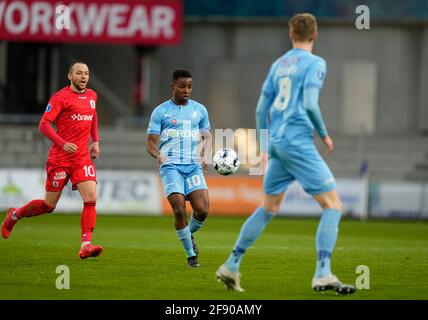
303,27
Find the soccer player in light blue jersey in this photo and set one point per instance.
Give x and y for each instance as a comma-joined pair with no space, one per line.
288,108
179,125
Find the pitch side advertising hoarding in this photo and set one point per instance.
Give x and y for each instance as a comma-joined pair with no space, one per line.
144,22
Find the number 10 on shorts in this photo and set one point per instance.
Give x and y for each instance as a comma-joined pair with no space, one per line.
89,171
194,181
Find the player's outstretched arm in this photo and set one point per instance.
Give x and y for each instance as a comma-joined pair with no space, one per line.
152,148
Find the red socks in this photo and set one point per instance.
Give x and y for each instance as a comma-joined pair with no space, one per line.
87,220
38,207
34,208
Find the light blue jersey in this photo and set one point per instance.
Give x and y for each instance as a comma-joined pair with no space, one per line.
292,82
288,108
179,129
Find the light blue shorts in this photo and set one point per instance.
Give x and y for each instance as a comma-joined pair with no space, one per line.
303,164
182,178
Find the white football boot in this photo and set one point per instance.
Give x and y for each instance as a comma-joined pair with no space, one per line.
331,282
229,278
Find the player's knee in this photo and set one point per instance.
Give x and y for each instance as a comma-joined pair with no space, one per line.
179,211
332,204
90,197
201,214
49,207
180,218
271,206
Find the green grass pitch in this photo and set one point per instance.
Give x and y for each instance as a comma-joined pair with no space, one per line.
143,259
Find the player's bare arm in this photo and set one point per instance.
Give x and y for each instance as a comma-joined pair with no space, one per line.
206,149
264,158
328,142
70,147
94,150
153,150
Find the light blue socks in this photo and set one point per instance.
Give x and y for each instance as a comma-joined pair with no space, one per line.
326,237
195,224
184,236
250,231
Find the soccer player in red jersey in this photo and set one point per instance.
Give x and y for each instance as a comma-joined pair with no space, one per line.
72,110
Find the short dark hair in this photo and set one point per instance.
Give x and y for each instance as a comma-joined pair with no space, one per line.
70,69
180,73
303,26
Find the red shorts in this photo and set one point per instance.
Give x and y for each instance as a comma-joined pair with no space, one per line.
59,174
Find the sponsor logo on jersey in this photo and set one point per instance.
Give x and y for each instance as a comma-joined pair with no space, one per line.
174,133
80,117
287,71
48,108
92,103
60,175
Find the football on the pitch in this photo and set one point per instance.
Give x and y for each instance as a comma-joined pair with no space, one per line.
226,161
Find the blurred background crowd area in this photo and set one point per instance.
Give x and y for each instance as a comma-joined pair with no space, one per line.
374,101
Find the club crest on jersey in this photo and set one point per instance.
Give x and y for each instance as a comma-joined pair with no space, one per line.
174,121
92,103
48,108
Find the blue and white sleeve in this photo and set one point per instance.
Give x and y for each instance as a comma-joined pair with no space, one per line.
313,83
205,121
155,124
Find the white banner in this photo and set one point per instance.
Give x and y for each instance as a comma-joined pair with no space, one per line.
399,200
119,192
352,193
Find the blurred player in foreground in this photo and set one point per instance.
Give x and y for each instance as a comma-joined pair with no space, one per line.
72,110
290,100
179,124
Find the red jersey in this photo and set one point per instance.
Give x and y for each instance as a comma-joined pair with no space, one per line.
75,117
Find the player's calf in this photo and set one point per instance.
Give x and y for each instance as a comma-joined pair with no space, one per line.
31,209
